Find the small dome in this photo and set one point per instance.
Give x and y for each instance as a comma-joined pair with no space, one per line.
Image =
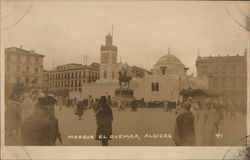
169,65
168,59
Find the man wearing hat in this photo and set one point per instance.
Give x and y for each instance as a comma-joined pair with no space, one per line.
211,117
104,118
13,111
41,128
35,130
55,133
184,129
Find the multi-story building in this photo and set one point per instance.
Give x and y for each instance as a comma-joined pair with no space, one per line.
23,67
227,75
65,79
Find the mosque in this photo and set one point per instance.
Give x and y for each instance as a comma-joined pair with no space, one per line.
167,79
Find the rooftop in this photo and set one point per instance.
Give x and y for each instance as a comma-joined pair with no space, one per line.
222,58
22,51
71,66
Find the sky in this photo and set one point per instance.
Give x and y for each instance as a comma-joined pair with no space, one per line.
65,31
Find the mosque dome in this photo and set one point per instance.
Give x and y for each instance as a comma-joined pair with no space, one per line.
168,59
169,64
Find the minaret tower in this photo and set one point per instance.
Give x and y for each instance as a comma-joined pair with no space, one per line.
108,59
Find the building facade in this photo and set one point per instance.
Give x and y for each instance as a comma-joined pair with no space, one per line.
67,80
23,67
169,77
165,82
155,86
227,75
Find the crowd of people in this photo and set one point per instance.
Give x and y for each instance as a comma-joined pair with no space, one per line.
32,116
197,123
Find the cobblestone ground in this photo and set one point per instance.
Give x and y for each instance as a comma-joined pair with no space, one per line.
144,122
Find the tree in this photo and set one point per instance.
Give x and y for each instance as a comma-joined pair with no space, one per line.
246,18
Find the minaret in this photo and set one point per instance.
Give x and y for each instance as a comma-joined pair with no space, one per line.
108,58
109,39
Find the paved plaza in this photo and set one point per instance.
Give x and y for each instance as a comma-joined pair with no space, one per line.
147,127
143,123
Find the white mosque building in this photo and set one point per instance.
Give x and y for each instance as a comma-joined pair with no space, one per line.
167,79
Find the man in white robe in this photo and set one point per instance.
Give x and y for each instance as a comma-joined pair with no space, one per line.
27,107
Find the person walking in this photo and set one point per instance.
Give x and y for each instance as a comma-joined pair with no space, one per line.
27,106
13,115
34,96
184,128
211,117
41,128
104,119
198,122
91,102
55,133
198,125
134,106
218,109
95,106
79,109
36,129
60,103
119,105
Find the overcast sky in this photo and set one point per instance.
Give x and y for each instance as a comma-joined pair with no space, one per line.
64,31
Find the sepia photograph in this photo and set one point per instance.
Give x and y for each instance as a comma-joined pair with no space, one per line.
125,73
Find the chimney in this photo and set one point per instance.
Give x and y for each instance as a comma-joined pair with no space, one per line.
245,52
21,46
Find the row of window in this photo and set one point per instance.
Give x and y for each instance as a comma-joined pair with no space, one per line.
68,83
57,76
28,59
27,81
70,89
224,69
26,70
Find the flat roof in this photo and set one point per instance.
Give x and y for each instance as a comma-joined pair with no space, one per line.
22,51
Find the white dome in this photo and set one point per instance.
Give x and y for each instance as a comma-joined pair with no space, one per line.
168,59
170,63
